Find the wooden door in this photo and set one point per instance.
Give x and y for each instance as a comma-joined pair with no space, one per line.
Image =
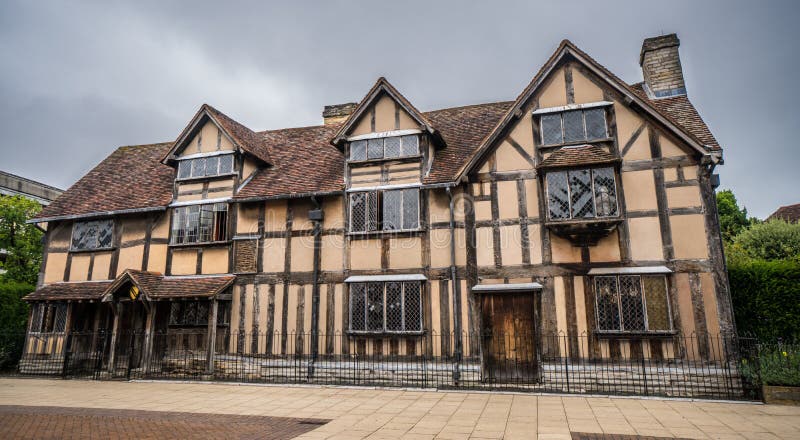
509,343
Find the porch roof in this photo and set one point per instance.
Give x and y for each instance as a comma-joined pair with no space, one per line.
510,287
69,291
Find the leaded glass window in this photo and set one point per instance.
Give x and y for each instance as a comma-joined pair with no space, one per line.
192,313
96,234
200,223
386,307
632,303
210,166
49,318
389,210
581,194
573,126
384,148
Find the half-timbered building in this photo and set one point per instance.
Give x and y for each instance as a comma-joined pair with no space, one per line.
583,210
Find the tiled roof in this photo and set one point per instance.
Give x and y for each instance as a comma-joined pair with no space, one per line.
681,110
152,284
87,290
248,140
130,178
578,155
790,213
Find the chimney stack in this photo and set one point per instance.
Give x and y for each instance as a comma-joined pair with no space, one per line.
335,114
661,66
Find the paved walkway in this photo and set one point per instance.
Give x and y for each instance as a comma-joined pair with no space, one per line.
367,413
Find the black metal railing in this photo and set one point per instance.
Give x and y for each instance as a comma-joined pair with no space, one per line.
702,366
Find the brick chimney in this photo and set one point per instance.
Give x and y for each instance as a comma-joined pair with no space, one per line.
335,114
661,66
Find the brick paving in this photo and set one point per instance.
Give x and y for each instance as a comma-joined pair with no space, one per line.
53,422
362,413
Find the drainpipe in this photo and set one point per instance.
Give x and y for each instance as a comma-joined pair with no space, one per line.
316,216
456,291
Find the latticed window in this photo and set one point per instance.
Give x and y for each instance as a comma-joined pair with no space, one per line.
581,194
386,307
190,313
95,234
205,166
573,126
200,223
387,210
49,318
632,303
384,148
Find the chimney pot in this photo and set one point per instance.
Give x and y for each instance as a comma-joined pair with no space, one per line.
661,66
334,114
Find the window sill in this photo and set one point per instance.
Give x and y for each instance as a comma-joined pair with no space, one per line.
385,159
637,334
373,234
203,244
201,178
570,144
86,251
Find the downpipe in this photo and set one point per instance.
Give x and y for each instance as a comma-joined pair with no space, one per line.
458,349
316,216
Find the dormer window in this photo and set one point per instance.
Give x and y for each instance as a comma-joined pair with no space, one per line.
384,148
207,166
581,194
582,125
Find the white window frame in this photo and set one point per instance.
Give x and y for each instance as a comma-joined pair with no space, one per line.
383,153
622,329
174,235
560,113
365,331
217,155
379,216
569,195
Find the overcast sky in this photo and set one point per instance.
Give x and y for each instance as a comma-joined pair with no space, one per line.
79,79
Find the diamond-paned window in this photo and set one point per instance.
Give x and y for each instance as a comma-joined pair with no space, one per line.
410,145
386,307
96,234
573,126
49,318
190,313
358,150
391,147
632,303
581,194
375,149
384,148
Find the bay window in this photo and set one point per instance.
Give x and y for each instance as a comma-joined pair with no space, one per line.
581,194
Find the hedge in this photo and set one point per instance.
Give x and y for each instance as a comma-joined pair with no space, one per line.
766,298
13,321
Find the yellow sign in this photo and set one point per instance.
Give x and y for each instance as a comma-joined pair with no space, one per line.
134,292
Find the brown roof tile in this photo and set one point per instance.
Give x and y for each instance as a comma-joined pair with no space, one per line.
577,156
250,141
87,290
186,287
130,178
790,213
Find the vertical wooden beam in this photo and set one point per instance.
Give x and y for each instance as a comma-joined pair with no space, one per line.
568,84
212,336
300,320
287,273
444,317
113,270
549,326
262,214
591,341
256,312
148,237
91,266
330,317
699,309
472,266
661,195
117,309
242,306
148,335
46,250
68,266
572,317
522,202
198,268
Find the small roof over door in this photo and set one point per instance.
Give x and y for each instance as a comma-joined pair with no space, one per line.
511,287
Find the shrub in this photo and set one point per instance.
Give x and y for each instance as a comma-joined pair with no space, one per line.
773,240
777,364
13,321
766,298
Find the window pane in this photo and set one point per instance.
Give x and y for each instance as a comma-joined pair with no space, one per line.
573,126
226,164
655,291
375,306
372,211
551,129
60,319
595,123
202,312
105,230
192,223
605,192
357,304
358,150
212,165
206,222
392,147
184,169
410,145
630,300
394,307
413,307
580,186
375,149
198,167
392,208
80,235
358,209
607,303
411,208
557,195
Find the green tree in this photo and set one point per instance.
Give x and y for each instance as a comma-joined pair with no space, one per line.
732,219
22,242
772,240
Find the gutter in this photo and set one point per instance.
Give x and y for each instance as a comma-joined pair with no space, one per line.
97,214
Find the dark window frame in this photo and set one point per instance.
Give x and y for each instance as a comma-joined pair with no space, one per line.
620,317
594,193
102,224
49,318
406,325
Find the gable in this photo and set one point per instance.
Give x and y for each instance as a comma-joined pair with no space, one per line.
383,114
209,137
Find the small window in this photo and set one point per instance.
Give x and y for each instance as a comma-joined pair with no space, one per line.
573,126
49,318
632,303
200,223
384,148
211,166
95,234
581,194
389,210
190,313
386,307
